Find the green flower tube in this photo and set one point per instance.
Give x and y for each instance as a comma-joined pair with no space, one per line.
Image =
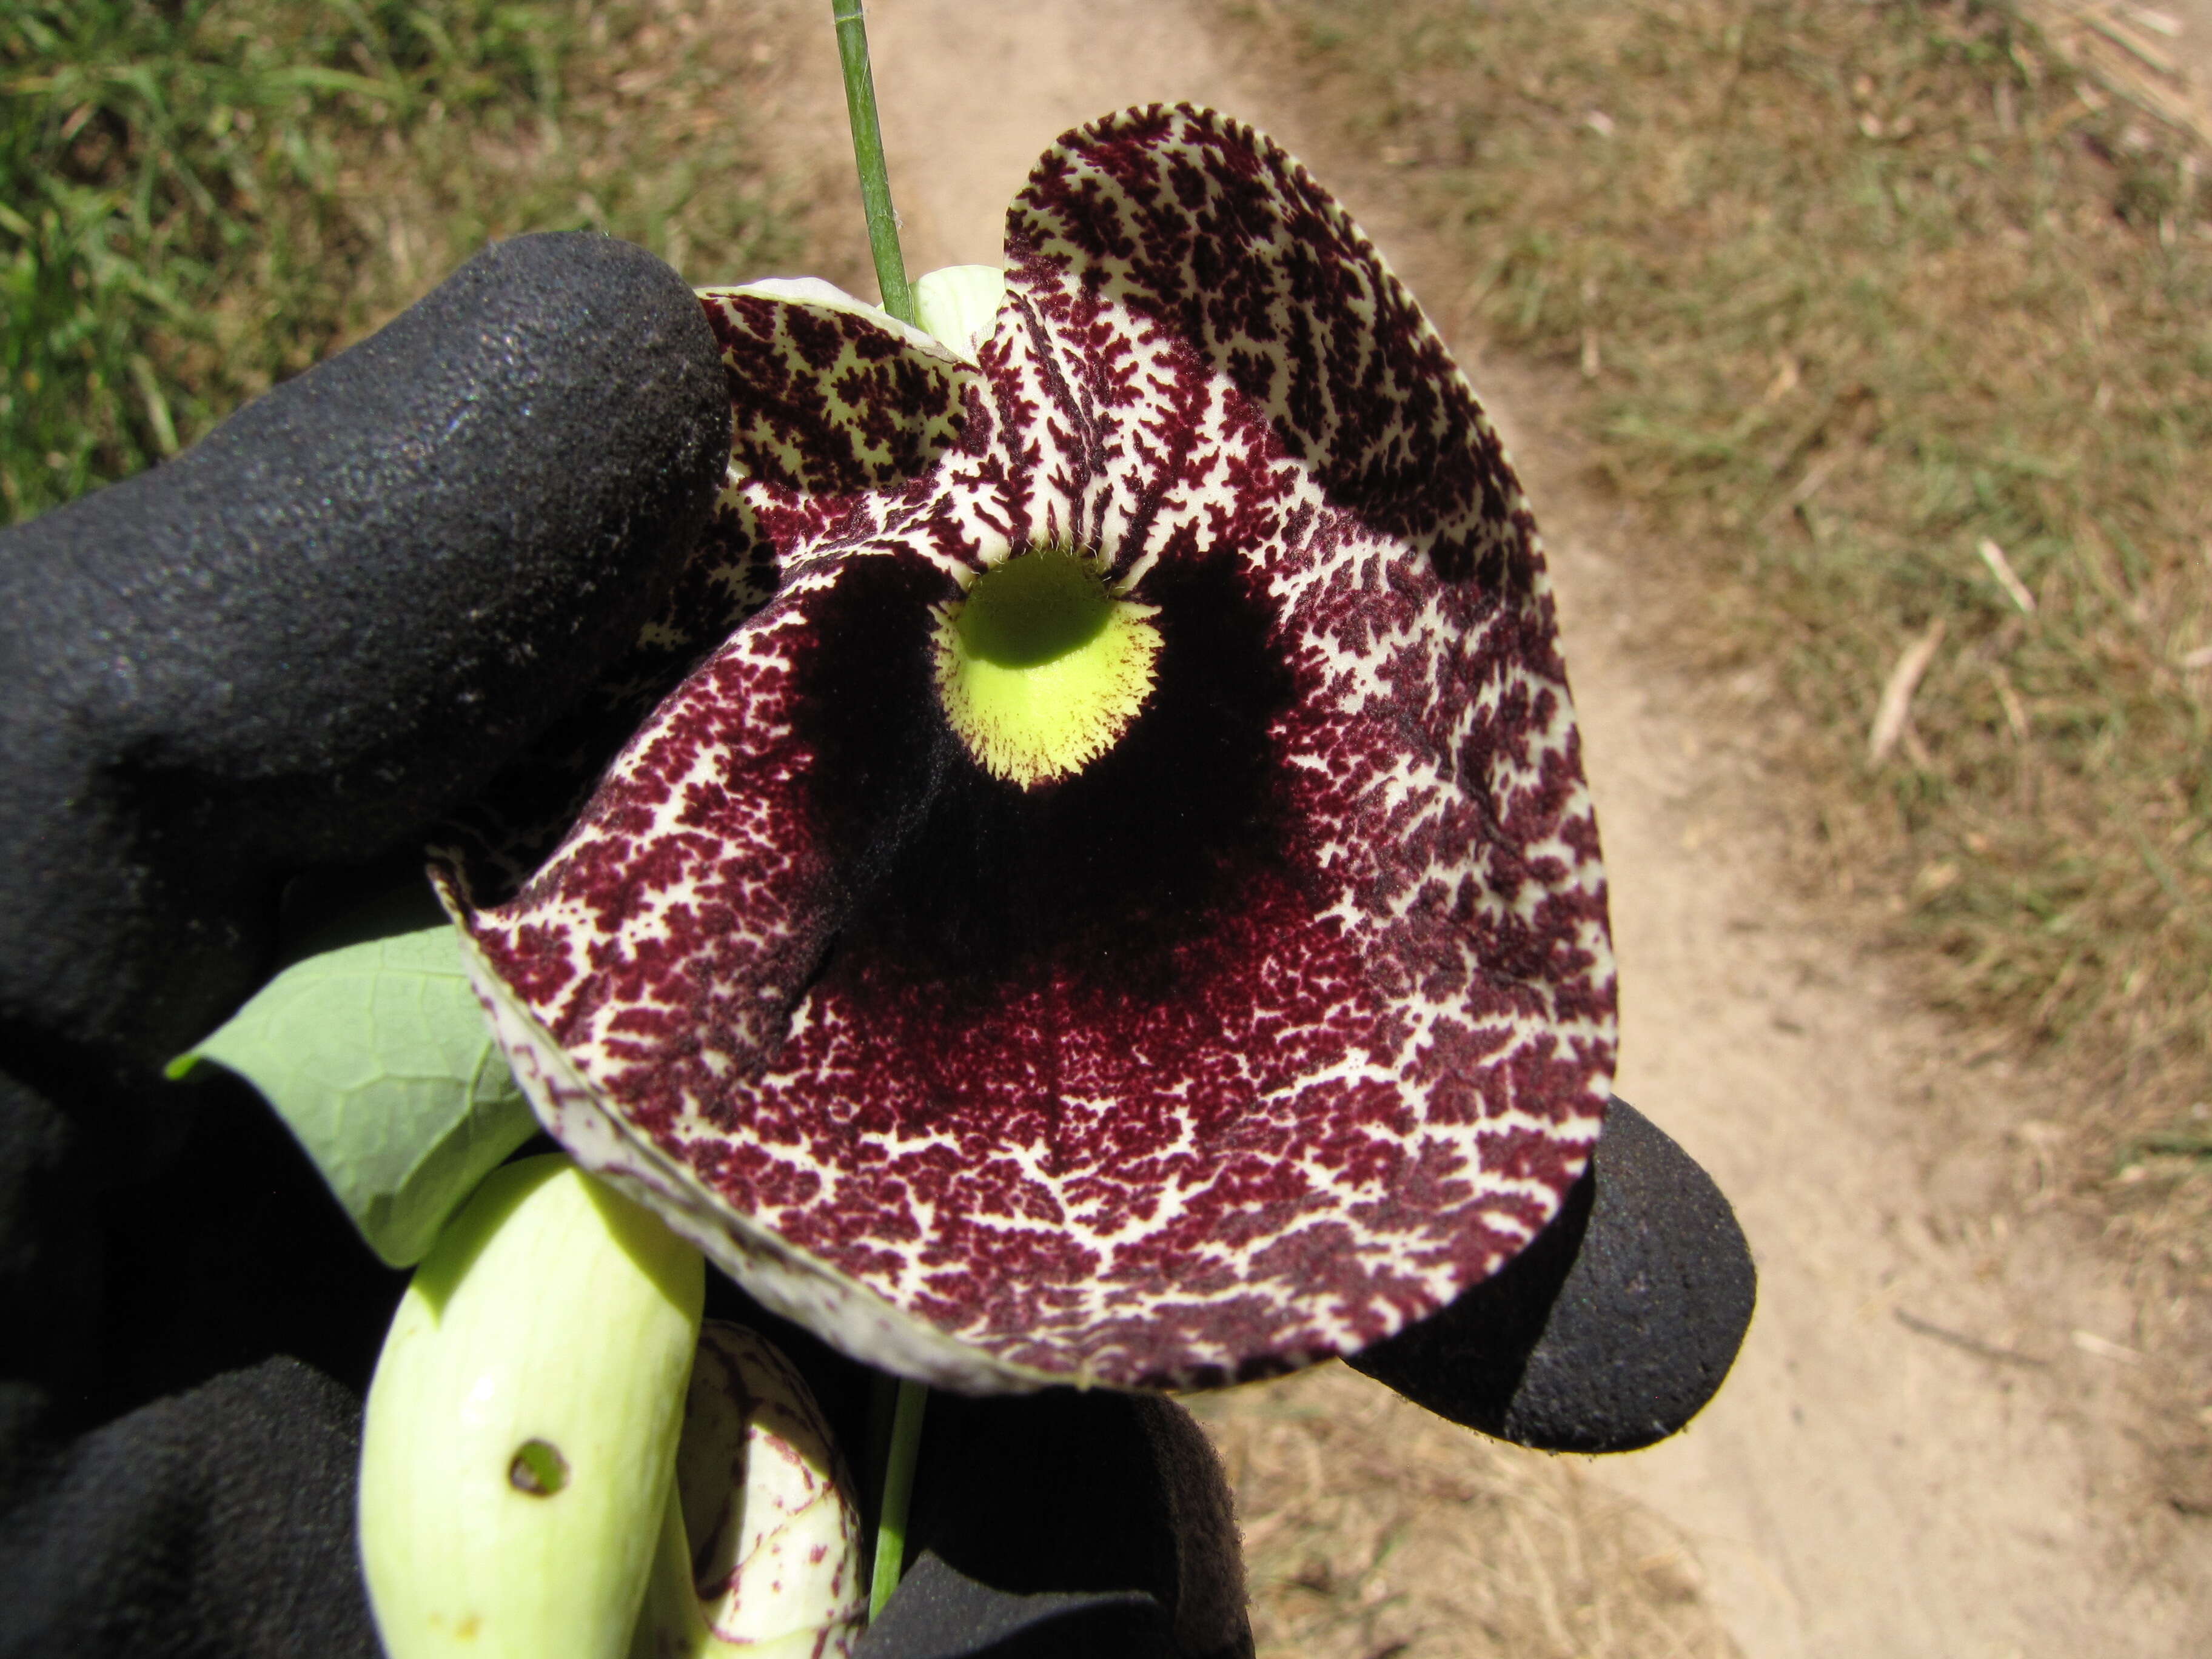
520,1440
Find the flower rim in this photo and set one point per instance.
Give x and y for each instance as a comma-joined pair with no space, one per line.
1203,369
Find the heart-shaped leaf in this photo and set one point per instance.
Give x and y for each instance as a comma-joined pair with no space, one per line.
376,1056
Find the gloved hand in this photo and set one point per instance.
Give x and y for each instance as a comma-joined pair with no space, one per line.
298,646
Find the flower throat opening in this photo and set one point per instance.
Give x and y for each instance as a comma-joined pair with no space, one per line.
1040,669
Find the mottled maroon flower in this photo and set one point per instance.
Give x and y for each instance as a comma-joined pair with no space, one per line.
1245,1040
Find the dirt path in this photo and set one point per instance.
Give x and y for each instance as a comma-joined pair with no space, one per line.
1914,1457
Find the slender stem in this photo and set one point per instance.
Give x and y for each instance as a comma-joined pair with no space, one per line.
898,1488
898,300
868,153
883,1410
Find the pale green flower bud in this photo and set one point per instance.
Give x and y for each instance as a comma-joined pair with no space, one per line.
519,1444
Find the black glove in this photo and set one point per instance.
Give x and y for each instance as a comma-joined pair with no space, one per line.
300,645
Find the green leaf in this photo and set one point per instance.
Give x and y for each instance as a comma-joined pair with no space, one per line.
375,1054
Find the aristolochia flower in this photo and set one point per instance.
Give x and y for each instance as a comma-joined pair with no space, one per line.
1126,909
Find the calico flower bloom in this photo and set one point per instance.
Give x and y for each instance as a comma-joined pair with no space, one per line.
1125,908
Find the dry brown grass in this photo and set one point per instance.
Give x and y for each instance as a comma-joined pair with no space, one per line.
1375,1530
2131,49
656,142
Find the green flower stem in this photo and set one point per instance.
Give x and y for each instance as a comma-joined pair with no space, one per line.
883,1407
898,1488
868,154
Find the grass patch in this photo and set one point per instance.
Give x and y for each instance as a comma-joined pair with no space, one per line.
1902,323
1372,1527
199,197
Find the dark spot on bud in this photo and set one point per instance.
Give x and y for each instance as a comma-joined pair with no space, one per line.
538,1468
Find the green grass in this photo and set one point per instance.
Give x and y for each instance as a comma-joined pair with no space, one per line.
198,197
1849,289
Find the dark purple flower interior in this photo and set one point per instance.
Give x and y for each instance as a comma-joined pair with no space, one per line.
824,404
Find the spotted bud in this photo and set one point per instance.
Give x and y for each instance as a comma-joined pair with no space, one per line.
760,1552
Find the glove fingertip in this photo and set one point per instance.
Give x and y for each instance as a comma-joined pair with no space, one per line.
939,1613
1612,1329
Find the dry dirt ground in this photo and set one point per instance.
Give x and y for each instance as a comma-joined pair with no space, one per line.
1924,1448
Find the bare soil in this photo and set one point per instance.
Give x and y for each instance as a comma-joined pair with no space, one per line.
1929,1446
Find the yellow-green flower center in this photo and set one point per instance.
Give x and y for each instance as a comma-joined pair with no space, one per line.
1040,668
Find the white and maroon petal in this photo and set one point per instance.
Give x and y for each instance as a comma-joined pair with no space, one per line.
1266,1033
1203,228
830,398
830,395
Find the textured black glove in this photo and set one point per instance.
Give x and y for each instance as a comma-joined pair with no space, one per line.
298,646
